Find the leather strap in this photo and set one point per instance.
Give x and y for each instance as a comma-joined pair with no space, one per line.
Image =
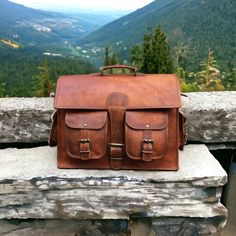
52,141
182,134
116,105
147,145
84,145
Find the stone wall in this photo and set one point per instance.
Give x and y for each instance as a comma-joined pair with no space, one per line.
137,203
36,198
211,118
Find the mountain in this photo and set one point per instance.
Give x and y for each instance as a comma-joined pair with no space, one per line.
51,31
200,24
32,39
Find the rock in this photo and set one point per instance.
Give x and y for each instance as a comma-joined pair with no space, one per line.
31,186
211,118
25,120
64,227
135,227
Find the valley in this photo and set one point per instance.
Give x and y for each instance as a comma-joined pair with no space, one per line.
75,42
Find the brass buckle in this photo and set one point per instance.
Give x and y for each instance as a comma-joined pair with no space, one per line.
85,141
147,149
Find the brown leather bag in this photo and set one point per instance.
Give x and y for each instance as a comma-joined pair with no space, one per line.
118,121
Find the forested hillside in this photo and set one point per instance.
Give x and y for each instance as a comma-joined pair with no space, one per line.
20,70
31,39
195,24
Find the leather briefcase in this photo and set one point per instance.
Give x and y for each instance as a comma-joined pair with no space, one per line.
118,121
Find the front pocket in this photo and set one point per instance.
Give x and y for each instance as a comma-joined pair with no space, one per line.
86,134
146,135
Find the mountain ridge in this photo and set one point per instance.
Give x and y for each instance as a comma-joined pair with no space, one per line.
47,30
202,24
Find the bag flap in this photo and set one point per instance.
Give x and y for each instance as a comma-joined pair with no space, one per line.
86,120
143,91
147,120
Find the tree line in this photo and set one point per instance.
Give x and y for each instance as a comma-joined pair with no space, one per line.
155,55
27,73
24,73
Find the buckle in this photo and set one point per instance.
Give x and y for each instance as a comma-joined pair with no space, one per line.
116,145
148,140
84,141
147,149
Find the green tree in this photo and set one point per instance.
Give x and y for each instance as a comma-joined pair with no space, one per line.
147,66
209,78
2,88
43,86
185,87
229,79
156,53
107,58
115,60
136,56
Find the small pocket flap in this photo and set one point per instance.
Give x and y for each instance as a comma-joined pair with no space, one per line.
147,120
86,120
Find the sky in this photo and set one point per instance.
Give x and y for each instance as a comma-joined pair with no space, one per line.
86,4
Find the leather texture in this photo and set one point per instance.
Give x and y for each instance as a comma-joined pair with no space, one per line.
118,122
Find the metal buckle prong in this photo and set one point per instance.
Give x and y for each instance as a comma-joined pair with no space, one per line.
84,140
148,140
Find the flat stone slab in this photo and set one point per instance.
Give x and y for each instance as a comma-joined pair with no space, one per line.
31,186
197,166
211,118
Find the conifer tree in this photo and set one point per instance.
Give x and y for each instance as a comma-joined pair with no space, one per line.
107,59
2,89
229,79
209,78
115,59
156,53
147,66
136,56
43,86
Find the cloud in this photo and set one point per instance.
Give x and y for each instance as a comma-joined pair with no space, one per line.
87,4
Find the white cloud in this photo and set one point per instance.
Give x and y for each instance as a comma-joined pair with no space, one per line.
89,4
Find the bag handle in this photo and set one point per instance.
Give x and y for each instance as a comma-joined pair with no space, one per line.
131,68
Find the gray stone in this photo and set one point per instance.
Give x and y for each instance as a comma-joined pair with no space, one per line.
188,226
31,186
64,227
25,120
211,117
221,146
134,227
